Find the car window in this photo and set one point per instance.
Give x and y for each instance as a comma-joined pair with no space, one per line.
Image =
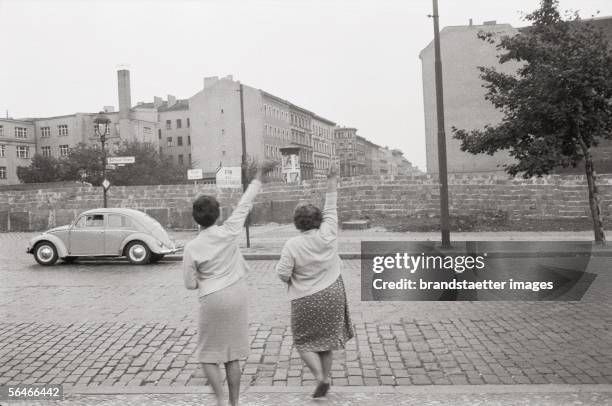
91,220
115,221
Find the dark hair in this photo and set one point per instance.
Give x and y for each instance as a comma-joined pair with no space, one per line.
205,210
307,216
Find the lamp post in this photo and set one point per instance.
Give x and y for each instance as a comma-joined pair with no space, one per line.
244,161
101,123
442,168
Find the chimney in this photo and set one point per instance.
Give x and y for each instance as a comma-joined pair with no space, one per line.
157,102
171,100
125,97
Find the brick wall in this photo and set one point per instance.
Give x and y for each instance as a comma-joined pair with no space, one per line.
555,196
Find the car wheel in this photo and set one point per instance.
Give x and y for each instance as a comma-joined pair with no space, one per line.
69,260
138,253
45,253
156,257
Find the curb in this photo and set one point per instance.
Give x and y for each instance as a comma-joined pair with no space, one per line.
414,390
263,256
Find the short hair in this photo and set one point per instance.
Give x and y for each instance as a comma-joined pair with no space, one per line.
205,210
307,217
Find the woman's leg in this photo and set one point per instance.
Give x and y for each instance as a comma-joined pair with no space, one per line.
327,359
215,379
233,373
312,360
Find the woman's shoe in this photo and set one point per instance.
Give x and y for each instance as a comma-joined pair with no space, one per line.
321,390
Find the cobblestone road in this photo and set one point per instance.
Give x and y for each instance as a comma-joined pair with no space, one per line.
112,324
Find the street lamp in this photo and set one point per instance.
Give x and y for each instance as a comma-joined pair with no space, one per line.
101,123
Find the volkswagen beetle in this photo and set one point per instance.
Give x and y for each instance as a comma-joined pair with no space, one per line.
104,233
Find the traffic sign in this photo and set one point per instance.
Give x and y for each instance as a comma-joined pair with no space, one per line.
195,174
121,160
105,184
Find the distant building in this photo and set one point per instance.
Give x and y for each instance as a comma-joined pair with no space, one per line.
464,104
17,146
173,128
204,131
271,124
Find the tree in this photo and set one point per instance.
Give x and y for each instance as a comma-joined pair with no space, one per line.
557,107
83,162
150,167
41,169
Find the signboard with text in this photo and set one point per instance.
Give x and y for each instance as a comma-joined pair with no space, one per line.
229,176
120,160
195,174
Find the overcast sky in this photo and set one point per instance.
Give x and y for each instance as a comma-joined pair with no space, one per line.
354,62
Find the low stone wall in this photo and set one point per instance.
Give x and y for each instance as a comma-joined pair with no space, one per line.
557,196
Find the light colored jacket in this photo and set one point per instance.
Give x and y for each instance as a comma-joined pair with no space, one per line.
310,262
213,261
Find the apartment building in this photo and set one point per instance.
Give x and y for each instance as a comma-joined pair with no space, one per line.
17,146
272,125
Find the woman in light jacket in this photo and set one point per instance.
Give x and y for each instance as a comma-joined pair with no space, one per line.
310,265
213,264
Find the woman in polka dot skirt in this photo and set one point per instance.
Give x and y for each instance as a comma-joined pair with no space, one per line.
311,267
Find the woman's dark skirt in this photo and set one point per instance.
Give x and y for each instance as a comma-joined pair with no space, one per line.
321,321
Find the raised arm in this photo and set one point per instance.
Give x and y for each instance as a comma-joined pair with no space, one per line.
235,222
329,226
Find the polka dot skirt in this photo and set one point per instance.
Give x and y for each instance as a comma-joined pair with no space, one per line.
321,321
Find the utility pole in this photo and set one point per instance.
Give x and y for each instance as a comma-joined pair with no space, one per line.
244,162
442,168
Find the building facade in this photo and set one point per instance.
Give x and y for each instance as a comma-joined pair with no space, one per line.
17,146
464,104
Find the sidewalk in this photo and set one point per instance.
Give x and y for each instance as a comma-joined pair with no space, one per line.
268,240
542,395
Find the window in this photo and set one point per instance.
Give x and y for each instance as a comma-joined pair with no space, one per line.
92,220
146,130
117,221
45,131
189,140
21,132
159,134
169,142
179,123
63,149
62,129
2,172
23,152
179,141
188,123
2,151
181,161
190,160
1,131
168,124
46,151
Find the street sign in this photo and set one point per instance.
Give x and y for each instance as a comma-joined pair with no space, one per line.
121,160
111,166
229,176
105,184
195,174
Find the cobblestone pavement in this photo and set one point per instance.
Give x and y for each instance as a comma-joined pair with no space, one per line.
111,324
353,399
